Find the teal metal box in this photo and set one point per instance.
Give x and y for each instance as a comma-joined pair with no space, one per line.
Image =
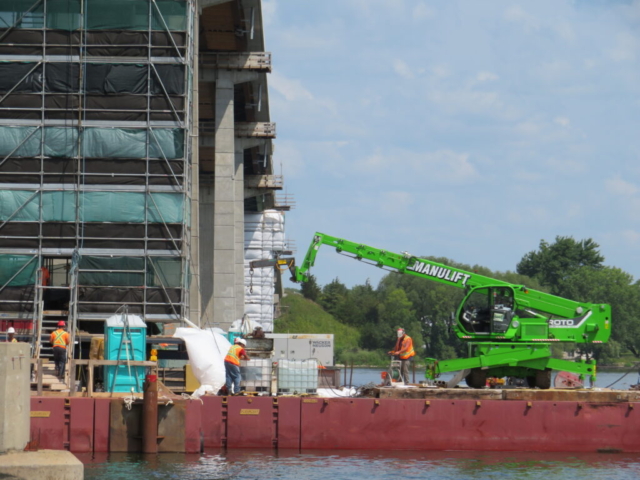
124,344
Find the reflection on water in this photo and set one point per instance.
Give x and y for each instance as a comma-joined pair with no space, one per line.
376,465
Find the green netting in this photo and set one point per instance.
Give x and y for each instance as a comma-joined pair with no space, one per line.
60,142
174,13
11,137
12,200
97,142
56,206
166,143
59,206
11,264
63,14
112,207
132,143
100,14
165,272
161,271
171,206
134,15
12,10
123,207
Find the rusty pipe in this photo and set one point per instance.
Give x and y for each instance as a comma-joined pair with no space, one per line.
150,415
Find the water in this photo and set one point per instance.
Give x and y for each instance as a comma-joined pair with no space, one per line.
373,465
362,376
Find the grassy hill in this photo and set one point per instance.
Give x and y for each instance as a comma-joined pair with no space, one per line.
301,315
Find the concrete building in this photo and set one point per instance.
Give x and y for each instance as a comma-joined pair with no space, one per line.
134,136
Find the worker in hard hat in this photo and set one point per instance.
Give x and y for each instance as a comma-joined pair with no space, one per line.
11,335
232,365
404,352
59,340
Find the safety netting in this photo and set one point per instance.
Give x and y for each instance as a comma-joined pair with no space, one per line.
65,206
20,269
95,142
98,14
263,239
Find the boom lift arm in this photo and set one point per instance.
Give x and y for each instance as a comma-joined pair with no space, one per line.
509,328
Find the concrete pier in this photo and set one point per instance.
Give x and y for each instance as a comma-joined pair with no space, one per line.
15,417
15,371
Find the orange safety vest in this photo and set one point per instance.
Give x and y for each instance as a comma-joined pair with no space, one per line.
60,338
406,351
233,356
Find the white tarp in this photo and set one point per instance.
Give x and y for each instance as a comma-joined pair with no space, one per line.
263,239
206,350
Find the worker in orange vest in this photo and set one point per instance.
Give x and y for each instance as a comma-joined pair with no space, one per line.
232,365
404,352
59,340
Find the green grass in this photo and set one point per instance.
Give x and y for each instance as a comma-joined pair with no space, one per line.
304,316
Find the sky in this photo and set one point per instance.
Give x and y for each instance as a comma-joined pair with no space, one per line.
467,129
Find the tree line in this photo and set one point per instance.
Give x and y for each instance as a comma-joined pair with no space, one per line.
369,316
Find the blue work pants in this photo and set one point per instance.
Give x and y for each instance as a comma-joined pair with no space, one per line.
233,377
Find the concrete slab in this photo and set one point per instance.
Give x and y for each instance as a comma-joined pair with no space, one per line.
15,395
41,465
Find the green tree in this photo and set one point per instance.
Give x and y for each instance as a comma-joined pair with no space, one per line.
552,263
613,286
332,295
310,289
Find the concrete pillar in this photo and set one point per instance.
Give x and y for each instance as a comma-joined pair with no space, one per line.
195,302
15,396
239,228
224,207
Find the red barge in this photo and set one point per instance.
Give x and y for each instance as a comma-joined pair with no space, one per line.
389,419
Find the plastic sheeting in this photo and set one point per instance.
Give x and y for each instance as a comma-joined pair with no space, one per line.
206,355
97,142
11,264
100,14
24,206
263,237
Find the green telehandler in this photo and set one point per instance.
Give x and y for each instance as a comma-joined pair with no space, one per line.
509,328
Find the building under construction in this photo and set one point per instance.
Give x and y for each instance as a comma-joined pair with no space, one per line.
135,138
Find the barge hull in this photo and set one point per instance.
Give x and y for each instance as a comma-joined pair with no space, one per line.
87,424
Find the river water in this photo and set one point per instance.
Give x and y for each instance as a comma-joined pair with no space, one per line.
372,465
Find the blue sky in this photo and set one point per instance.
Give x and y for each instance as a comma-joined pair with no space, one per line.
459,128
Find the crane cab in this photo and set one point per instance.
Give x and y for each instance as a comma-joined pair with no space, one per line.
487,310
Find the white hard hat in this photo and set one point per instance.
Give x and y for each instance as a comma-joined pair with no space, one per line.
242,341
11,330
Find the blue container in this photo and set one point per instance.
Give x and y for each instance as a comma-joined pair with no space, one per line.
233,335
118,345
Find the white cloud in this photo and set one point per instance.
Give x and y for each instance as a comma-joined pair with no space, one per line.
396,201
421,12
486,77
619,186
528,128
407,167
562,121
518,15
290,89
402,69
626,48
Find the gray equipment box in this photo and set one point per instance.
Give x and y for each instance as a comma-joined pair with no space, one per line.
303,346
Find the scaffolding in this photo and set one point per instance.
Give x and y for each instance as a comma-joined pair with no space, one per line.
95,160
